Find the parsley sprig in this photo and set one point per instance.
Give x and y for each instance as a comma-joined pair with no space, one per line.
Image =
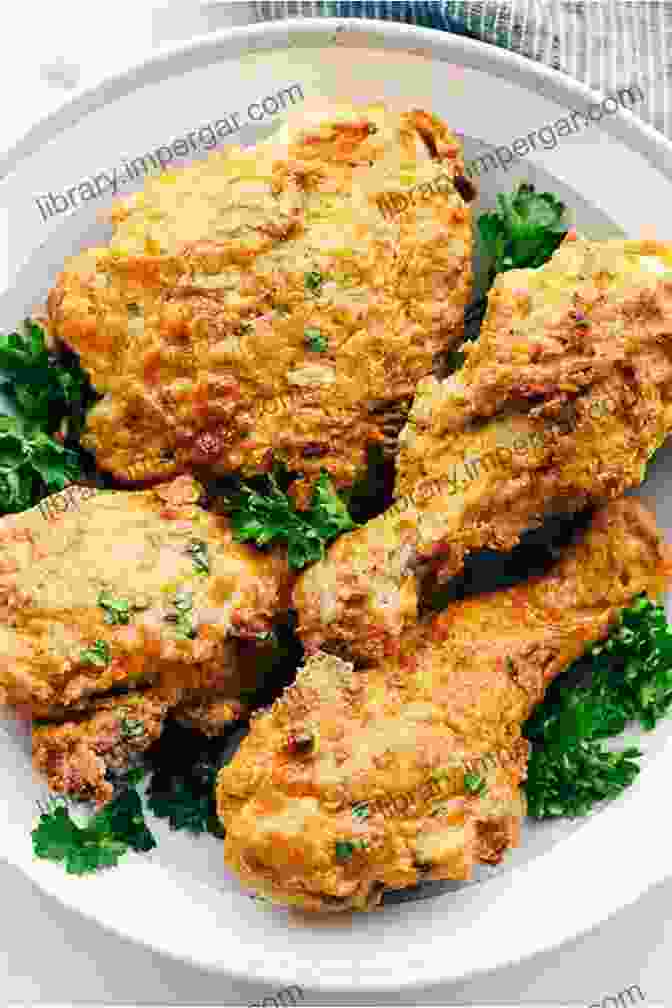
102,841
271,517
525,230
182,786
32,465
626,678
523,233
44,391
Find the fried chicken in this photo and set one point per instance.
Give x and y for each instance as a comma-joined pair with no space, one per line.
362,779
560,404
79,756
119,590
276,302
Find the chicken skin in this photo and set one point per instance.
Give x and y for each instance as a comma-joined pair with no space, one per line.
281,302
560,404
120,590
358,780
78,756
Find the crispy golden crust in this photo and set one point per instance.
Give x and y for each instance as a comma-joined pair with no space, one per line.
210,716
559,405
77,756
416,763
63,572
204,326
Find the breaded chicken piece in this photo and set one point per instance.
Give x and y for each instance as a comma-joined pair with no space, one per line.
359,780
560,404
127,589
210,716
273,302
79,756
76,757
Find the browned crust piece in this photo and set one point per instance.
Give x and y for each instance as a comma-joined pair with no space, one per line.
206,277
430,740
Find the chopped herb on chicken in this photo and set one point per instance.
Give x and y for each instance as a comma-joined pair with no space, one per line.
315,340
198,549
314,281
181,615
97,654
117,611
627,678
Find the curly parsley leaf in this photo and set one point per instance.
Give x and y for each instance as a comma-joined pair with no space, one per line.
186,807
117,611
101,842
524,232
44,390
628,677
272,518
198,550
97,654
182,787
316,340
32,465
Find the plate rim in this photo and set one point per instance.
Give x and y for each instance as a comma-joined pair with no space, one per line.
160,65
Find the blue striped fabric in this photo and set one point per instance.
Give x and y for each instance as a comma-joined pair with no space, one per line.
605,44
429,14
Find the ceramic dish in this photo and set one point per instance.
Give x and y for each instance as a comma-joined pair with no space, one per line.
616,176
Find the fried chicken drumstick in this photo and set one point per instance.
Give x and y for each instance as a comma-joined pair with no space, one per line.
357,780
560,404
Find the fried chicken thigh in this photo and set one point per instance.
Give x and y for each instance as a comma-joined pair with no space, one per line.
117,590
362,779
281,301
560,404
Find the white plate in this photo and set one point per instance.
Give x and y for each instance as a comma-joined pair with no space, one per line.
567,877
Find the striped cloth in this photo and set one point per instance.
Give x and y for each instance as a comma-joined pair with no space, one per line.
606,45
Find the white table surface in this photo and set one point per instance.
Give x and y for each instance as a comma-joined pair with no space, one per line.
49,953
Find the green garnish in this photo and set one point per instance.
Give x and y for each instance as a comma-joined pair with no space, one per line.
314,280
272,518
44,392
182,787
524,232
474,783
361,811
182,615
344,850
184,808
105,838
117,611
199,555
32,465
629,679
130,728
97,654
315,340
